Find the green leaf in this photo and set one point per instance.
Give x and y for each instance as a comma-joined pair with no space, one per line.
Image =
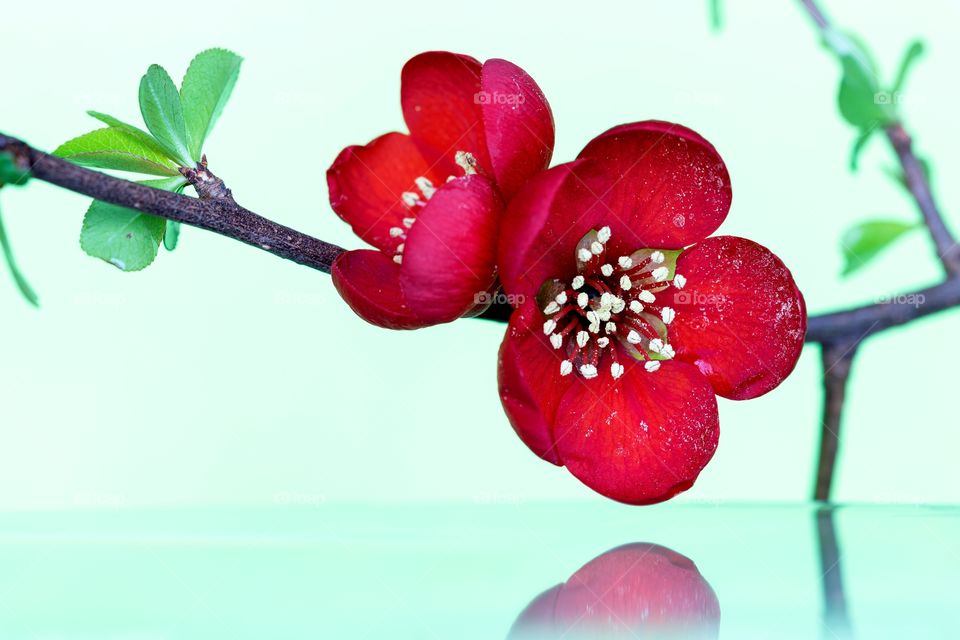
10,173
127,239
913,53
171,235
858,147
716,14
142,136
206,88
162,113
25,289
863,242
115,148
861,99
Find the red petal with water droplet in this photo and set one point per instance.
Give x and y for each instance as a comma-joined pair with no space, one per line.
366,183
369,282
740,318
640,439
449,261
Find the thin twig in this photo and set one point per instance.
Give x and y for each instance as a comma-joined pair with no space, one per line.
837,358
220,215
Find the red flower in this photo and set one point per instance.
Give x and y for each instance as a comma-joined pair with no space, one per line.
431,201
637,590
626,332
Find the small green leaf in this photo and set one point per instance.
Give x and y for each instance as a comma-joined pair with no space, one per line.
115,148
162,113
206,88
863,242
861,99
172,235
144,138
858,147
10,173
716,14
25,289
913,53
127,239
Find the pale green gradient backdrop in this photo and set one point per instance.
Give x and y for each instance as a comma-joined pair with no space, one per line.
224,375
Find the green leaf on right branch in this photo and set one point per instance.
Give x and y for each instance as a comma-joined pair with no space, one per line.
163,114
207,86
126,238
866,240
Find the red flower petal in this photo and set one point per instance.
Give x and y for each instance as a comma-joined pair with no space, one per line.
450,254
740,317
370,283
366,184
518,124
643,438
635,591
532,247
439,93
660,183
529,379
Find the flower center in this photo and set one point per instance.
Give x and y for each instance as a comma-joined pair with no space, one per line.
415,202
610,302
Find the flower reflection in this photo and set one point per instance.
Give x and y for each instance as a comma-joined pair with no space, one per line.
636,590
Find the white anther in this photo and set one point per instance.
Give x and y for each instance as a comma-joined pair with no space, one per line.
551,308
633,337
466,161
618,305
566,367
603,342
426,187
679,281
588,371
556,340
401,247
660,274
646,296
408,222
606,300
582,300
667,314
582,339
651,365
607,270
604,315
398,259
577,282
625,262
657,257
396,232
616,370
594,321
625,283
549,326
635,306
561,298
603,235
584,255
610,327
667,351
410,198
596,248
656,345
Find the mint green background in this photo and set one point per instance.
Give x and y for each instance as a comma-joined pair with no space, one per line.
225,376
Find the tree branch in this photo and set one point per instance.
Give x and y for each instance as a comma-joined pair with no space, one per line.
837,359
218,214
